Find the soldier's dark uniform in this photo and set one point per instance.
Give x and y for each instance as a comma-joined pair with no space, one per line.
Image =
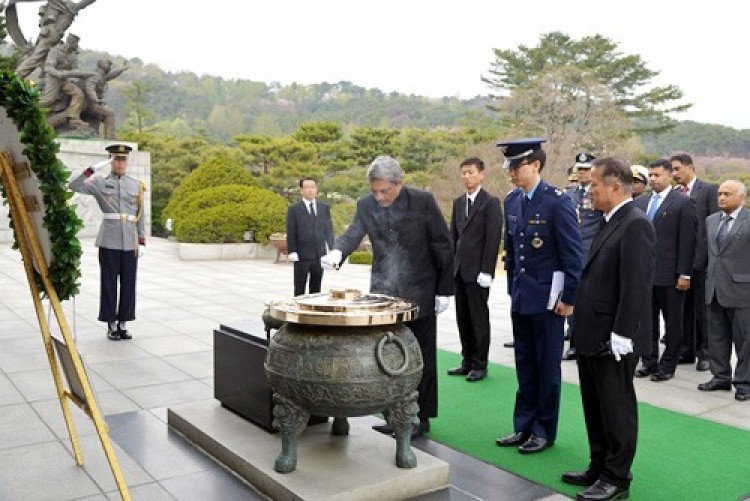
541,237
121,233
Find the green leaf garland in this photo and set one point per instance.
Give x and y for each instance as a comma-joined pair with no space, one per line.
21,103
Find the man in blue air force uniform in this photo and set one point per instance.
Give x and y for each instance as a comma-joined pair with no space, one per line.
541,238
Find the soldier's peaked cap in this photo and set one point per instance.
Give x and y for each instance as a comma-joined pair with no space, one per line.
119,149
583,160
515,151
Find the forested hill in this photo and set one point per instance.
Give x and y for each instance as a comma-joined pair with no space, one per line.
224,108
183,104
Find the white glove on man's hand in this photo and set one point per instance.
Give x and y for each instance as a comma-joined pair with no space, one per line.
293,257
141,251
441,304
620,346
332,260
101,164
484,280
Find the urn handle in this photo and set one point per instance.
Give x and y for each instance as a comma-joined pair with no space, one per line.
390,338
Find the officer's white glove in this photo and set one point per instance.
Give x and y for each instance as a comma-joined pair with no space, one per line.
441,304
332,260
141,251
101,164
293,257
484,280
620,346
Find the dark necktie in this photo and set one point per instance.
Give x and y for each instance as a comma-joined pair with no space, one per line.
524,205
311,209
469,204
723,232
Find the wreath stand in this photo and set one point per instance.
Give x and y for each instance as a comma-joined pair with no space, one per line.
81,393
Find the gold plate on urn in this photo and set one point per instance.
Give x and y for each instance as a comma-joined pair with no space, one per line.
342,307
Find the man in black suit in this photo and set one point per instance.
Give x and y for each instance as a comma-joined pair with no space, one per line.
673,216
612,328
694,340
309,236
728,291
476,226
412,258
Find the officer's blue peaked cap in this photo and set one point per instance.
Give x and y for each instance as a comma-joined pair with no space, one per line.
515,151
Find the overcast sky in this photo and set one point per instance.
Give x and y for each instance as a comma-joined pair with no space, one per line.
433,48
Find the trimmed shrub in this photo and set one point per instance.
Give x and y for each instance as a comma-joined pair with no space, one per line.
222,214
221,170
360,257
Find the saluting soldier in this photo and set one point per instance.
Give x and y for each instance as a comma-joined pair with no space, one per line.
542,240
121,238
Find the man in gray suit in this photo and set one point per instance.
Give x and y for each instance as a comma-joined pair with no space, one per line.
728,291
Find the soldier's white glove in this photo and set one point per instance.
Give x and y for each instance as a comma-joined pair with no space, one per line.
484,280
620,346
101,164
441,304
293,257
332,260
141,251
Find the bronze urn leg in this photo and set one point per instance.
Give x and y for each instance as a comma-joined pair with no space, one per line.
290,419
400,416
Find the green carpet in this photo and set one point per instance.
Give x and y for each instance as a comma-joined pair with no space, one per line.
679,457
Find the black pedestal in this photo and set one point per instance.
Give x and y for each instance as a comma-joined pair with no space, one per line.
240,382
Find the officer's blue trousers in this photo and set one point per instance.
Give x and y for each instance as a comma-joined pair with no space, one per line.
538,341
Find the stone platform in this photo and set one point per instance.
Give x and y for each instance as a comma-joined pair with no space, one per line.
360,466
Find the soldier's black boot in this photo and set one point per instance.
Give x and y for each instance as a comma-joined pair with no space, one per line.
113,332
124,334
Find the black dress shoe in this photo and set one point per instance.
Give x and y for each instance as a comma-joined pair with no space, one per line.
515,438
384,428
685,360
742,396
571,354
476,375
714,385
124,334
113,335
603,491
534,444
644,372
584,478
509,344
461,370
702,365
660,376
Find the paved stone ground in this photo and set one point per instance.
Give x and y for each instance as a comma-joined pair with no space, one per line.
170,361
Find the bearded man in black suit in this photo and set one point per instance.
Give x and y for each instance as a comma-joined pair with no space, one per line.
612,327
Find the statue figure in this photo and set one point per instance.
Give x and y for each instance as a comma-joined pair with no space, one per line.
55,17
94,88
62,94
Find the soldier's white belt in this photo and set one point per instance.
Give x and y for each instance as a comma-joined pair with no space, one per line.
121,217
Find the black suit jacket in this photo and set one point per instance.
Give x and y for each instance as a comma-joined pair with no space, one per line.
476,239
307,235
615,290
675,224
411,247
706,199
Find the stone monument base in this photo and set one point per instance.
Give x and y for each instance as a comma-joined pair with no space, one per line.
359,466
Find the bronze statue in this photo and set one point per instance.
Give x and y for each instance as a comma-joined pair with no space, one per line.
74,98
55,17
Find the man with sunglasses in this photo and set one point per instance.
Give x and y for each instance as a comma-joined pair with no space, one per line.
544,258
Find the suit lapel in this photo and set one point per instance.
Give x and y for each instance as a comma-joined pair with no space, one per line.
607,231
697,187
712,227
478,202
661,212
736,227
